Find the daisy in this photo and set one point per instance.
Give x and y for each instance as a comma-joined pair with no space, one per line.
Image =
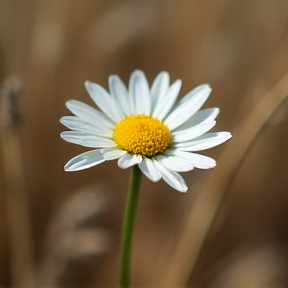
144,126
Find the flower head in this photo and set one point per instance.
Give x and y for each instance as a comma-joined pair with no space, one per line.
144,126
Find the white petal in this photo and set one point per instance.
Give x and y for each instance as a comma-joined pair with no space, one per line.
148,168
76,123
87,140
200,117
201,161
139,93
203,142
119,91
84,160
175,163
198,160
159,88
112,153
190,103
192,132
167,101
129,160
89,114
199,92
104,101
172,178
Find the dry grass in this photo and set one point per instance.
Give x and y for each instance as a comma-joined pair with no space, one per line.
239,47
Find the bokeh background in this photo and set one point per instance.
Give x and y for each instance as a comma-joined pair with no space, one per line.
239,47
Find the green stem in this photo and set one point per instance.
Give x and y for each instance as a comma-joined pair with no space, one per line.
127,231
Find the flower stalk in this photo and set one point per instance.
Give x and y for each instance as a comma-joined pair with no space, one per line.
128,225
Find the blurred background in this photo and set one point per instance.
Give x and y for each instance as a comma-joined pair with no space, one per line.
72,221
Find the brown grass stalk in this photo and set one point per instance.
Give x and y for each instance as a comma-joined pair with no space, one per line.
19,238
16,197
205,205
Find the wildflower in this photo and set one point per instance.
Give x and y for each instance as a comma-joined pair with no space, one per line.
144,126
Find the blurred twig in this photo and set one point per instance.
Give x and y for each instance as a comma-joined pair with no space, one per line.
9,94
203,210
17,207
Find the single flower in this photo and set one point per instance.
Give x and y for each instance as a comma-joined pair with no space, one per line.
144,126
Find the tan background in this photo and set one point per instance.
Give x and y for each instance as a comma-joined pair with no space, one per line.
239,47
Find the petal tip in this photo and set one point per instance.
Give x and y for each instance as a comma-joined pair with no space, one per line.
138,71
68,103
88,86
229,135
67,168
206,86
184,190
178,81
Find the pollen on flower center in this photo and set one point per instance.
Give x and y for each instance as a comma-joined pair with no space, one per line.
142,135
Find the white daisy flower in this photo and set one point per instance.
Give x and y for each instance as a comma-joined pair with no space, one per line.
144,126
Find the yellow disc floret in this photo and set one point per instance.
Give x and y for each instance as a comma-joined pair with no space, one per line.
142,135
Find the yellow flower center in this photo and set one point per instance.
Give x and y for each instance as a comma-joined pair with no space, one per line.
142,135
